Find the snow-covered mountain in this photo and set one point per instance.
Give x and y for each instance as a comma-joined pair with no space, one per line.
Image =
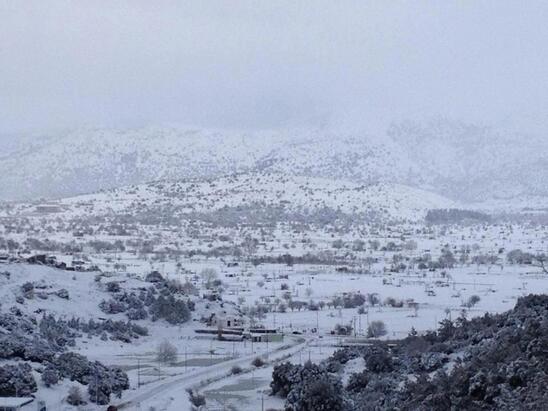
452,159
476,163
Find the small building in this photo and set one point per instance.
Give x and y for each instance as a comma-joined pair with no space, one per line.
261,334
266,337
226,321
42,259
14,403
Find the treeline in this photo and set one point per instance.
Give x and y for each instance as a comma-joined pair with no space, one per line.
456,216
307,258
267,215
45,342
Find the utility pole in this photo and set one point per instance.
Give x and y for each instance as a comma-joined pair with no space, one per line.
138,373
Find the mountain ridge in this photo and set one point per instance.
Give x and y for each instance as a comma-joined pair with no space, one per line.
433,157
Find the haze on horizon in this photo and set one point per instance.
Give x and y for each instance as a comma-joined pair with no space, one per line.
255,65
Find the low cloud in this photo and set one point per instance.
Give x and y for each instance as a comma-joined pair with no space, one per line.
248,64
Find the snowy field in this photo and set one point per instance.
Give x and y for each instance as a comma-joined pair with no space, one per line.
303,278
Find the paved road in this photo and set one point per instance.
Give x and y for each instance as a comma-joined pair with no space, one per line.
199,377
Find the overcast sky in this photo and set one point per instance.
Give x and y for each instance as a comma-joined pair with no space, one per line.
268,64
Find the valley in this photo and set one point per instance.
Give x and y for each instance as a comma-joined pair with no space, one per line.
323,263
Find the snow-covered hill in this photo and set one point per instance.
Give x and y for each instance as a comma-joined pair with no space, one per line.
275,194
88,160
451,159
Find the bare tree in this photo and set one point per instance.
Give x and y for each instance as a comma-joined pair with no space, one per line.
541,261
75,396
208,276
167,352
376,329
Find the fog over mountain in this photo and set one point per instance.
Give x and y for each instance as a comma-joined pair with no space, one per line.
244,65
97,95
460,161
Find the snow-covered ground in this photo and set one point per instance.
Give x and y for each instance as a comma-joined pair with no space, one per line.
281,246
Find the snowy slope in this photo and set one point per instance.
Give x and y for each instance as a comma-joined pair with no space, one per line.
88,160
264,190
455,160
476,163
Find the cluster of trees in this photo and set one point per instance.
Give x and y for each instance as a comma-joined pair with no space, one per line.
320,258
307,387
539,260
166,352
448,259
51,245
9,244
17,380
501,365
48,245
63,332
287,302
355,245
46,343
376,329
163,300
351,300
102,245
485,259
267,215
456,216
170,309
102,381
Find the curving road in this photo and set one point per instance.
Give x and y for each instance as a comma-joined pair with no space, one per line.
194,379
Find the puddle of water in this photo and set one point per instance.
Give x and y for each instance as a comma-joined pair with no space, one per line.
243,385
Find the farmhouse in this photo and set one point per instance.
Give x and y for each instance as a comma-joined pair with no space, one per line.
265,335
226,320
